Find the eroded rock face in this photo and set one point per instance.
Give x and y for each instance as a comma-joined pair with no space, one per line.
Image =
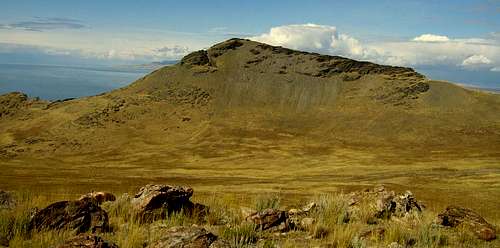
455,216
80,216
180,237
7,201
87,241
159,200
268,218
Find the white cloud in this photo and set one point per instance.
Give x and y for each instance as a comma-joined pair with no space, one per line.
431,38
423,50
476,60
314,38
495,69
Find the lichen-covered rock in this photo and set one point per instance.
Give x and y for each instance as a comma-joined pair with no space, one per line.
455,216
80,216
386,204
180,237
268,218
87,241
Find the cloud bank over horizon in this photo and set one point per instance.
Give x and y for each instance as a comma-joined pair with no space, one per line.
63,40
424,50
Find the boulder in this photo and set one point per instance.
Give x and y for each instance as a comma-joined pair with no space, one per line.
98,197
151,198
182,236
7,201
80,216
268,218
87,241
297,218
455,216
387,203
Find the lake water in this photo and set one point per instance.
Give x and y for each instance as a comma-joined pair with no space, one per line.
59,82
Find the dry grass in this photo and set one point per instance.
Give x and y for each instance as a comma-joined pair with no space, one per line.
335,225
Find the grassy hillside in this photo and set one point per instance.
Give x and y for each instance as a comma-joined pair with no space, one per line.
248,117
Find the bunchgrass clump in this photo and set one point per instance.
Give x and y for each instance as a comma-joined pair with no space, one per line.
267,201
332,209
240,236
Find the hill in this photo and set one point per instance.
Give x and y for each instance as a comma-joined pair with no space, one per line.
245,115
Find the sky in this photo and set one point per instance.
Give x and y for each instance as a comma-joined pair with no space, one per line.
449,39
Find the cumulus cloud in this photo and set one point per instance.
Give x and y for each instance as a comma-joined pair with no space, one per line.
431,38
423,50
41,24
495,69
314,38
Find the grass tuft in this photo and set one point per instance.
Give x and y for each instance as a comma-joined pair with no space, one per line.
240,236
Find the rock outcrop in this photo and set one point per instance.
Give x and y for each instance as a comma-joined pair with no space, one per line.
455,216
268,218
80,216
158,200
87,241
386,204
179,237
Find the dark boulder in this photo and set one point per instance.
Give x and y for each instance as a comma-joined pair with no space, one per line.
455,216
154,201
87,241
80,216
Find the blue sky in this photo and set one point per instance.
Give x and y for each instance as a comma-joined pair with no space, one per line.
454,36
